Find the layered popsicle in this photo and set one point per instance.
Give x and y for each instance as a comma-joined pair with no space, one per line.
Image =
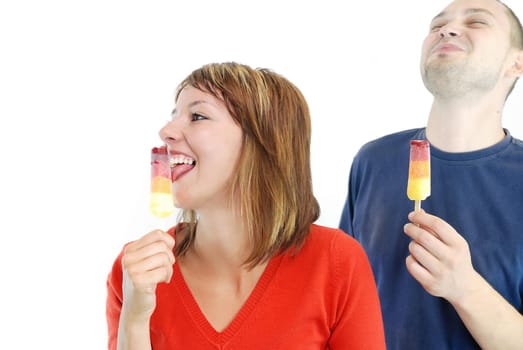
418,187
161,203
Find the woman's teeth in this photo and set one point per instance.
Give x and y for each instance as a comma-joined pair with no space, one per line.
180,160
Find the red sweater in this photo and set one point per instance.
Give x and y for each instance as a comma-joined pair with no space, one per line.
324,297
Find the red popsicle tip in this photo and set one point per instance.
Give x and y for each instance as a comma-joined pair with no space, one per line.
159,150
419,150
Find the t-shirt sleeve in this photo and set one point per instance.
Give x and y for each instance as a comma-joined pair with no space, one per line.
359,323
347,213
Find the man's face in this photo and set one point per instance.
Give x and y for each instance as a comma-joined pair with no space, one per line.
468,43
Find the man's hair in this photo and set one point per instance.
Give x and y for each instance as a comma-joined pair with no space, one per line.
516,34
516,29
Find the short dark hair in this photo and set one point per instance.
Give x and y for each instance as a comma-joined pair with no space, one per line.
516,29
516,34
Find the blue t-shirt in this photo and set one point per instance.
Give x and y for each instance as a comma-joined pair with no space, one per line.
479,193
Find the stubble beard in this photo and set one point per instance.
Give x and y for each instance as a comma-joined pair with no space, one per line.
457,79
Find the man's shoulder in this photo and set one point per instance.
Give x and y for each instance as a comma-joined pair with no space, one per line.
517,142
390,143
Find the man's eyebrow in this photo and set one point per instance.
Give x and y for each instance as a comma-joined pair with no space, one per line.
470,11
473,11
439,15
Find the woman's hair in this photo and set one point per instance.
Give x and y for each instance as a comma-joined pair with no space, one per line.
273,182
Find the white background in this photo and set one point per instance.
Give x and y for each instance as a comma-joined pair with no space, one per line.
85,86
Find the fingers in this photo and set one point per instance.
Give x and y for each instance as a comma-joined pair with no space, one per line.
145,263
149,260
423,256
422,275
434,225
427,251
133,255
151,270
153,236
439,257
424,242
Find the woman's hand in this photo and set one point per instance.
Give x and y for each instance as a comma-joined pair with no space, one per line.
145,263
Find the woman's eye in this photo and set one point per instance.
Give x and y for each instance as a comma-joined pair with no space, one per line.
196,116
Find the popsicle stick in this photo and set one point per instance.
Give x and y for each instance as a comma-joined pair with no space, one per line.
417,205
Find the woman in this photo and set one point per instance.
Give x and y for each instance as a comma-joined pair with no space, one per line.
249,269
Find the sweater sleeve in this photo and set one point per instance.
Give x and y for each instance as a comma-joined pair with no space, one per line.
114,301
114,298
358,322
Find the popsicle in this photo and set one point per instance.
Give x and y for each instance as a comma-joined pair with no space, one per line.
161,203
418,187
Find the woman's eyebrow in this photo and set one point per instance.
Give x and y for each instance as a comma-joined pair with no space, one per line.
192,104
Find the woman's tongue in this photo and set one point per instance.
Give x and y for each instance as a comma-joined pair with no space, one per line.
179,170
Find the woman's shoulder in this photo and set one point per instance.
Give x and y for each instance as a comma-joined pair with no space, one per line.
335,255
333,243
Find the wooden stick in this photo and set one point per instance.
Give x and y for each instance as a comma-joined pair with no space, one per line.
417,205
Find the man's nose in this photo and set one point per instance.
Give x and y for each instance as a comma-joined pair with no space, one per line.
448,30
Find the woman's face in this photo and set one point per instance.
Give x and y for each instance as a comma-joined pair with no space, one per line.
204,144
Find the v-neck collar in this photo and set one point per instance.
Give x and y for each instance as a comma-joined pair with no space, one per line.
245,311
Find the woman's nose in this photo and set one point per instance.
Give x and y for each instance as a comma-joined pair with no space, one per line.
171,131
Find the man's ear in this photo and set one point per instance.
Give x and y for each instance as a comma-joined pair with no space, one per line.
517,68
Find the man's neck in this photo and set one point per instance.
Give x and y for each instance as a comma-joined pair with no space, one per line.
464,126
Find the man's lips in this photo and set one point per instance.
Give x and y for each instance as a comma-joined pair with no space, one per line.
446,48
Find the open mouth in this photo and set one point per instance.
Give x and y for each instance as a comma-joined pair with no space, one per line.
180,165
177,160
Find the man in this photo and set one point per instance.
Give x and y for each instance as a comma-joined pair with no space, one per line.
452,278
